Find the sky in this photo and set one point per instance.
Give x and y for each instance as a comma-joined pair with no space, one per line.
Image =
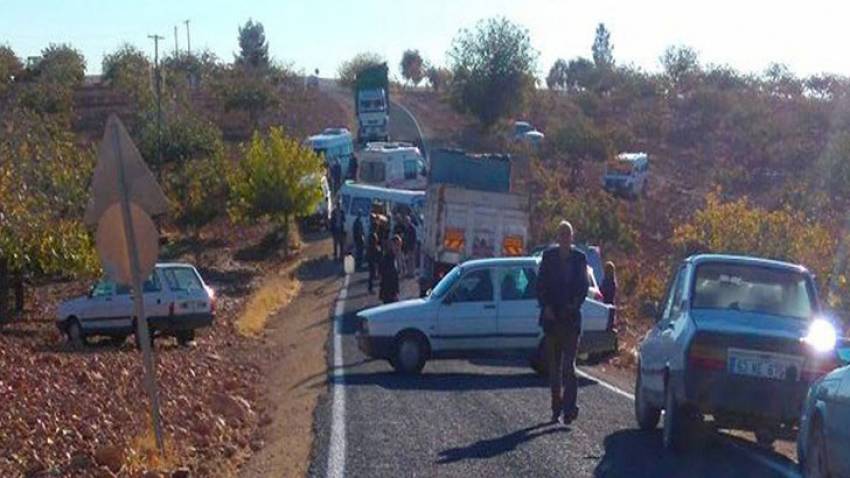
810,37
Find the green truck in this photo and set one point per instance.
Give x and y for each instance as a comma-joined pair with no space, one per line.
372,104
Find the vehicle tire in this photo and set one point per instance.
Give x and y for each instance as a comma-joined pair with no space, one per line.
75,334
184,337
674,435
765,437
117,340
647,416
814,463
538,360
411,353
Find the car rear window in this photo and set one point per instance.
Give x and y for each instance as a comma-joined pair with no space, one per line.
754,289
182,279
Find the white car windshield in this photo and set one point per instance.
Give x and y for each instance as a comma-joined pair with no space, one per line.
445,284
757,289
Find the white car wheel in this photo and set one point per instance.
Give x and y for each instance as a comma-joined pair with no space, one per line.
647,416
75,334
410,355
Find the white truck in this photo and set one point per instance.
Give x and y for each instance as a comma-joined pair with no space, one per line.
470,213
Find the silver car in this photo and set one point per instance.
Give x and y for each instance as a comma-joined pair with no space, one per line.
823,444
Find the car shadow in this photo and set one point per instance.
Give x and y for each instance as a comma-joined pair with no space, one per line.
447,382
492,447
638,453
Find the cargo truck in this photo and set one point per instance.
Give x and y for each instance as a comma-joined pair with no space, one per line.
471,212
372,104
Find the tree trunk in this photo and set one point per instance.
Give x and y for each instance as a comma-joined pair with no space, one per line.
4,290
19,292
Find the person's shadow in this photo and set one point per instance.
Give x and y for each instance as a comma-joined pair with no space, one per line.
492,447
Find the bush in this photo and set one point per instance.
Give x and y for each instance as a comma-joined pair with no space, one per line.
129,71
184,137
349,70
198,191
274,181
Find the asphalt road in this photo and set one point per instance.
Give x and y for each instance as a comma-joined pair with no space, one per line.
488,418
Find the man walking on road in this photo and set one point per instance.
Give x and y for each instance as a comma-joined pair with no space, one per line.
359,239
389,271
561,289
373,251
338,231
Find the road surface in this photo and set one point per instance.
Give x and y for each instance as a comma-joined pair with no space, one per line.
488,418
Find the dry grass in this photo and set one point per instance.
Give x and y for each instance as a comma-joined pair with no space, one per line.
276,292
143,455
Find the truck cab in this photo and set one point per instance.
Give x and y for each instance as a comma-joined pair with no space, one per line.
627,175
372,104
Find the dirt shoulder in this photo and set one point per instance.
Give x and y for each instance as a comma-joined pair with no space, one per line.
294,358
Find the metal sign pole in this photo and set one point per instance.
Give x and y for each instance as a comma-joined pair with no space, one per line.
138,296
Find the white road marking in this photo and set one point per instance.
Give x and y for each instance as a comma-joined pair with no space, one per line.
336,449
415,123
784,470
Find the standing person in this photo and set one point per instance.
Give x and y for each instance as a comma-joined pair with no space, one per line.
352,168
338,231
609,284
359,241
336,175
409,246
373,251
561,289
389,271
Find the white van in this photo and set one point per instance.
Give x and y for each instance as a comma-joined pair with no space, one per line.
333,144
361,199
392,165
321,216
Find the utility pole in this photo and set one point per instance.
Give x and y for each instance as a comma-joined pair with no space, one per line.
158,86
176,50
188,39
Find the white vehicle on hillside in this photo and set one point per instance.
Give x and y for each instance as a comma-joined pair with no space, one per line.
480,308
392,165
333,144
177,301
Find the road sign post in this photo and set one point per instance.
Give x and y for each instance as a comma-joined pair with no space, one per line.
123,186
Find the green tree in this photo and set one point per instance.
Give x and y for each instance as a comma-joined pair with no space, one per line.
184,137
198,191
833,167
275,181
247,91
44,178
412,67
192,70
62,64
129,71
253,47
349,69
576,142
10,69
438,77
680,63
579,74
603,50
493,70
49,83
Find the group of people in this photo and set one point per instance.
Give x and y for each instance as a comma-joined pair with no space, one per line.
388,254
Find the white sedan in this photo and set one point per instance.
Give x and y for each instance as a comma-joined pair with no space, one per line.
480,307
176,302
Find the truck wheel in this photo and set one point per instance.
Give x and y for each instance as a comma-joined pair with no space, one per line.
765,437
647,416
411,353
75,334
184,337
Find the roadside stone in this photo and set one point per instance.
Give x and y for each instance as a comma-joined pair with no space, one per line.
81,460
181,473
111,457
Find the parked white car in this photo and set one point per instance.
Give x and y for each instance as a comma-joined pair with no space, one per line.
177,301
525,132
480,308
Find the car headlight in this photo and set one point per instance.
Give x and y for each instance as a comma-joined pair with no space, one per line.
821,336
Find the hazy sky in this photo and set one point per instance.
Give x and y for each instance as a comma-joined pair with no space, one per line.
810,37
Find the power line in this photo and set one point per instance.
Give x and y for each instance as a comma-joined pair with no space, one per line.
176,50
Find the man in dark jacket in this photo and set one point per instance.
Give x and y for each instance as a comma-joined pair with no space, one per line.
338,231
359,238
389,272
373,250
561,289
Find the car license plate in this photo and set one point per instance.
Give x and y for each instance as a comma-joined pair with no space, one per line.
763,364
